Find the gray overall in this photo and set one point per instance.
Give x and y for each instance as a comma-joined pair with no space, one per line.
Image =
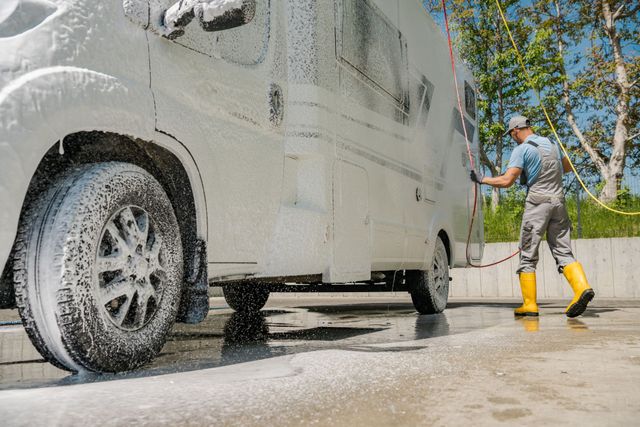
545,211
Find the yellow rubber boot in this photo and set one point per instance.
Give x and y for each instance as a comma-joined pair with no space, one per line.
528,287
583,294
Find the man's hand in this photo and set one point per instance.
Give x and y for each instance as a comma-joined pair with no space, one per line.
475,178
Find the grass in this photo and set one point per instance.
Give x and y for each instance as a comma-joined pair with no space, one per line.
503,225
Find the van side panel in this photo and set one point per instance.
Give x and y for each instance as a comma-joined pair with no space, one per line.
373,164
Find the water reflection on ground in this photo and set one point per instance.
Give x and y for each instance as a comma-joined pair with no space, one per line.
231,338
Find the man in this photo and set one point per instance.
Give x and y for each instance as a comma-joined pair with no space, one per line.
540,165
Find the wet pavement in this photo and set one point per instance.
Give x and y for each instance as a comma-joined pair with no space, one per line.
227,338
374,354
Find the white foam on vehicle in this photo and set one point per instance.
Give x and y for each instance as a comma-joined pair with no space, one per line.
7,7
216,8
211,9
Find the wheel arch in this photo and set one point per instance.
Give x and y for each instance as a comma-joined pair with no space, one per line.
440,227
168,161
41,107
64,105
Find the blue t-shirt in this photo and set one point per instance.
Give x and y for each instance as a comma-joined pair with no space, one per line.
526,157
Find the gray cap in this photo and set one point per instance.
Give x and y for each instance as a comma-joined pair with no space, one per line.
517,122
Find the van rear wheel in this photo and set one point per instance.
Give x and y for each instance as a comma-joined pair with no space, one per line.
430,289
98,269
246,298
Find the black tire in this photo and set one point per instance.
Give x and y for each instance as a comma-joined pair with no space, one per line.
430,289
246,298
102,231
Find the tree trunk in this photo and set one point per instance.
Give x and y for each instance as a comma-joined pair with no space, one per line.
495,192
621,133
611,169
495,198
611,187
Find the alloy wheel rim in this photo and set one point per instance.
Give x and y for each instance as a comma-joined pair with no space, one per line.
130,269
440,279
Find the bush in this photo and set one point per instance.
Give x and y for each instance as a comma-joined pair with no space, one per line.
503,225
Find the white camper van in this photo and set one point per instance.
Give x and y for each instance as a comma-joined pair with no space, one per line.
150,149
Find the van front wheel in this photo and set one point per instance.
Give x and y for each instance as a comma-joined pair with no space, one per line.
430,289
98,269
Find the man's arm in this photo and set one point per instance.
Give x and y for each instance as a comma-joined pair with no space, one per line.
566,165
503,181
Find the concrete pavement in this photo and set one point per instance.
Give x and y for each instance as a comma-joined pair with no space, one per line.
346,361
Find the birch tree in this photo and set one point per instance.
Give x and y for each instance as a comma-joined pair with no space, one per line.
597,45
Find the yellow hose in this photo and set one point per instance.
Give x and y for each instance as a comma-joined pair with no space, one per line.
529,81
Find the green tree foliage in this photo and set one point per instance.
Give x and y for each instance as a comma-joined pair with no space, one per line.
596,70
584,59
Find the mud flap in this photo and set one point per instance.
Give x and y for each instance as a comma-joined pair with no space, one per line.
194,304
7,290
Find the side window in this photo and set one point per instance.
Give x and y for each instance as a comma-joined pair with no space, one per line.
426,93
245,45
470,100
373,47
420,96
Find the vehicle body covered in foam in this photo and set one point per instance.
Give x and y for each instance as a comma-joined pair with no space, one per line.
322,139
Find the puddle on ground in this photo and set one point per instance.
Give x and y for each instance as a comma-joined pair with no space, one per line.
227,339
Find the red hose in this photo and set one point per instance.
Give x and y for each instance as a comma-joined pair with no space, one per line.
466,138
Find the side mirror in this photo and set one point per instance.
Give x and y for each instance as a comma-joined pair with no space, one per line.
225,14
213,15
